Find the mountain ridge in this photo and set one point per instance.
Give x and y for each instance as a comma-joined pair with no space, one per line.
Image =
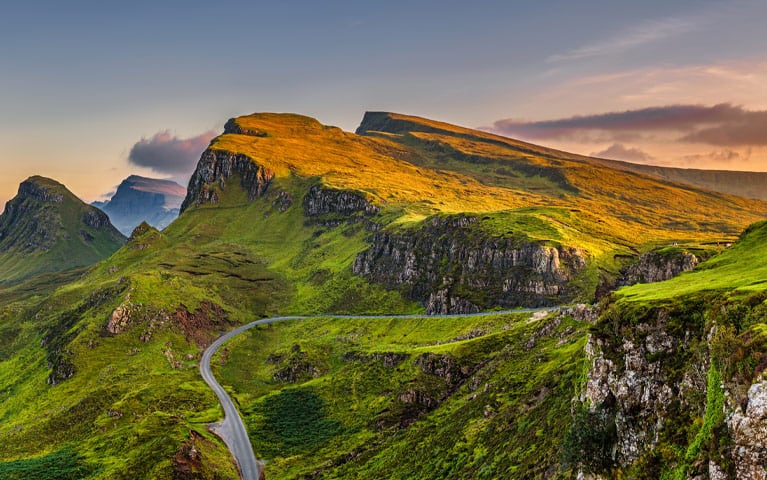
747,184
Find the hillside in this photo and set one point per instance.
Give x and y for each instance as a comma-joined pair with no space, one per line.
744,184
285,215
45,228
140,199
668,383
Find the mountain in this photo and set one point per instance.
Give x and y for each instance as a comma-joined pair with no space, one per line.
45,228
140,199
284,215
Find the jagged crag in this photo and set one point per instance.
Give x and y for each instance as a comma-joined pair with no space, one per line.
284,215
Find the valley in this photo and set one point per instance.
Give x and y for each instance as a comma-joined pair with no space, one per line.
404,248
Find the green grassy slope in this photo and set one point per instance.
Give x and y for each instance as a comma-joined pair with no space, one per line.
428,398
743,184
739,269
136,403
45,229
425,167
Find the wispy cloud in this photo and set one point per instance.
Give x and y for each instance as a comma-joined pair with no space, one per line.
645,33
618,151
720,157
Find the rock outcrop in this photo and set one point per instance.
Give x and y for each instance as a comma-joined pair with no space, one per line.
322,200
96,219
749,433
215,168
35,188
657,267
662,381
451,266
232,126
636,385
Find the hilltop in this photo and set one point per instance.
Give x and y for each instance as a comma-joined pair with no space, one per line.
45,228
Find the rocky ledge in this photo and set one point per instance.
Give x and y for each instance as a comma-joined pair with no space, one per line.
451,266
657,267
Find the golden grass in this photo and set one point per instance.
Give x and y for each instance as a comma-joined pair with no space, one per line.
449,169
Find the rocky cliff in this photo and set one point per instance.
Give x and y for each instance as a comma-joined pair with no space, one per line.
672,389
748,426
451,266
330,207
656,267
215,168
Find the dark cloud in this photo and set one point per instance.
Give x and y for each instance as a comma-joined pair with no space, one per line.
749,129
617,151
167,153
722,125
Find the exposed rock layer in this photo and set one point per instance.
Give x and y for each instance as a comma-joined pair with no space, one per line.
657,267
452,267
213,170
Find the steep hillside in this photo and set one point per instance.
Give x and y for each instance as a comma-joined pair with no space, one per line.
285,215
676,386
140,199
744,184
472,398
45,228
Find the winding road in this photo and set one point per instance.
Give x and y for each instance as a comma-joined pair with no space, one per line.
232,429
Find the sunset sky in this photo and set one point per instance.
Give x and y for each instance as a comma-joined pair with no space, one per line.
92,91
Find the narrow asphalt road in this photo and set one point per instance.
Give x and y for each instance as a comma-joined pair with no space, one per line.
232,429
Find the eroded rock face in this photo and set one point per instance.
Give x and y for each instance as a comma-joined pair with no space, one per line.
96,218
119,320
29,189
655,267
653,374
213,170
633,380
640,393
749,433
452,267
321,201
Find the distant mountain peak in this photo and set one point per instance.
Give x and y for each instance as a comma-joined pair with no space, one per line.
141,199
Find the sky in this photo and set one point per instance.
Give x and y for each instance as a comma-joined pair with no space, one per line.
93,91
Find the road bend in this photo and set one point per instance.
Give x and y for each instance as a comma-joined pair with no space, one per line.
232,429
